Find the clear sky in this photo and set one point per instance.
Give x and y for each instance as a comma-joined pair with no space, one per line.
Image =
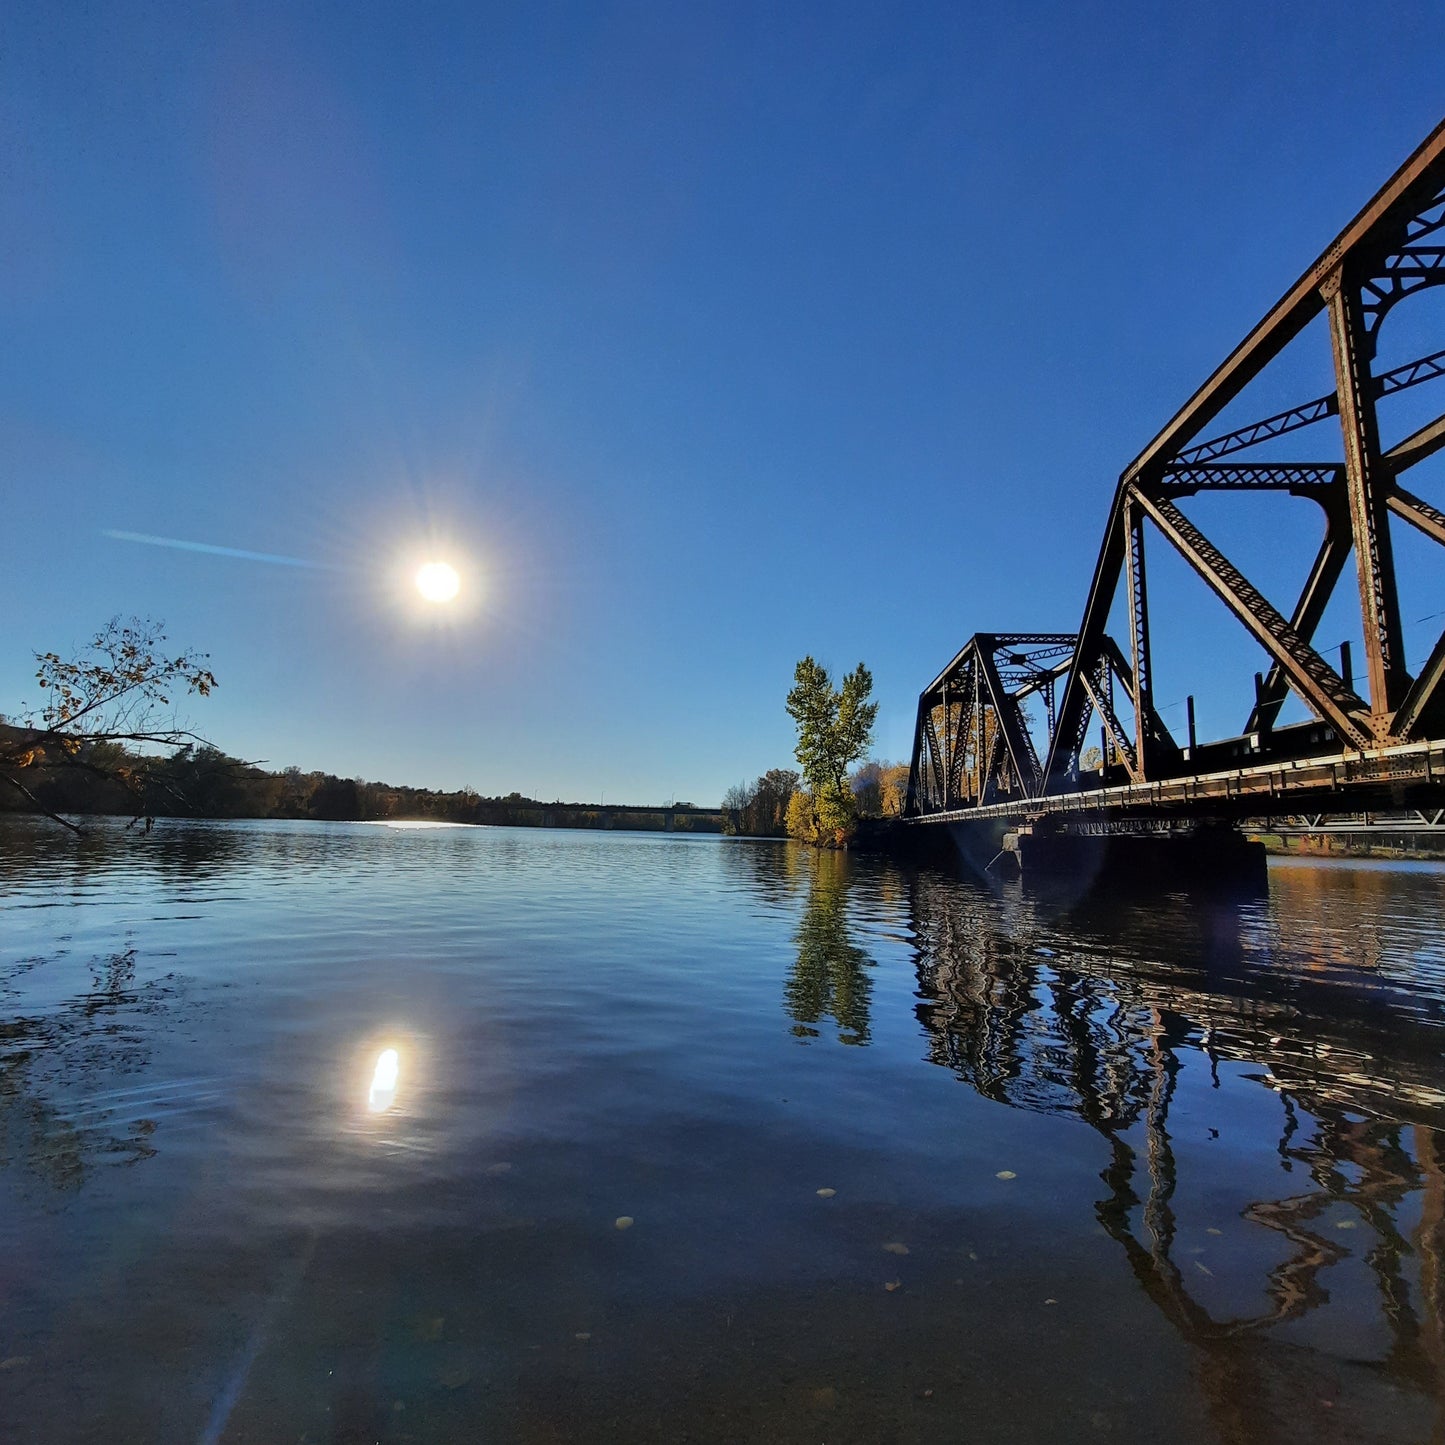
698,336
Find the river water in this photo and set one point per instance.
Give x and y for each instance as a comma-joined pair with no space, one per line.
341,1132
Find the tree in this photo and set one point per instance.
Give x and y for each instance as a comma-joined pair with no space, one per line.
835,729
801,822
880,789
893,789
771,795
736,803
105,712
336,800
760,809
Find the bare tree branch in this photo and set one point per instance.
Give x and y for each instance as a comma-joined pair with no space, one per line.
111,694
39,806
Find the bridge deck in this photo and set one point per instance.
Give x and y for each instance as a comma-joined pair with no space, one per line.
1413,772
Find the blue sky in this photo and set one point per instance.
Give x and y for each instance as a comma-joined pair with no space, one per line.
698,336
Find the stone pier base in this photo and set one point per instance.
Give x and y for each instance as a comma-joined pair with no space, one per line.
1202,855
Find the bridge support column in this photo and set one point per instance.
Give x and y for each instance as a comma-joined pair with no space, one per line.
1367,483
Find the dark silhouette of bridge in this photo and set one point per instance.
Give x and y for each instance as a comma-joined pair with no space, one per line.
1006,732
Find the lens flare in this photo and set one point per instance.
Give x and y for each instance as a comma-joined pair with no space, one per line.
383,1081
438,582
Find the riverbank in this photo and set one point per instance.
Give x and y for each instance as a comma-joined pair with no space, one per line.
1418,847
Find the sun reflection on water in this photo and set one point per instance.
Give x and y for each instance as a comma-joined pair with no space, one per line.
382,1093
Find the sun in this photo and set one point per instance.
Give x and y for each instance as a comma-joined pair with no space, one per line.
438,582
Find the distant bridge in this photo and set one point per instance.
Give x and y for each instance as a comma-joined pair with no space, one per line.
664,817
1003,733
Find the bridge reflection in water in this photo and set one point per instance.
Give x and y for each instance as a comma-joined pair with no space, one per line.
1267,1084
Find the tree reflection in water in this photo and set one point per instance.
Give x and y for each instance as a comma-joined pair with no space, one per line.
70,1090
1081,1016
830,977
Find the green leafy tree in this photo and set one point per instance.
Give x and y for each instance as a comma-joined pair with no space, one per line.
801,821
835,730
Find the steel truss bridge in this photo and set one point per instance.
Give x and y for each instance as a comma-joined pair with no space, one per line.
1006,732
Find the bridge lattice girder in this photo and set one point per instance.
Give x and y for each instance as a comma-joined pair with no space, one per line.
974,745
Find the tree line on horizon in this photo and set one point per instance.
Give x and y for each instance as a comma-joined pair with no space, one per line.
105,739
200,781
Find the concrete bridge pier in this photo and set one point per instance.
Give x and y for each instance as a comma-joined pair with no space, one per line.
1201,854
1091,856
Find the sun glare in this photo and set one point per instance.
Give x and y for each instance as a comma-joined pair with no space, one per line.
438,582
382,1093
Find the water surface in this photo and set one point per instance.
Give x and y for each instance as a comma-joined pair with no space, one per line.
325,1132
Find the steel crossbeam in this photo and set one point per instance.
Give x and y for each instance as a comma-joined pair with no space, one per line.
1307,671
1419,514
1319,585
973,742
1301,479
1401,378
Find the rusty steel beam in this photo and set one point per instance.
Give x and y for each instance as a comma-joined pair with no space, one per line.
1416,447
1300,479
935,759
958,747
1401,378
1309,674
1314,597
1160,748
1367,484
1075,704
1138,627
1411,509
1097,683
988,789
1009,721
1258,431
941,713
1423,368
1400,200
1423,710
